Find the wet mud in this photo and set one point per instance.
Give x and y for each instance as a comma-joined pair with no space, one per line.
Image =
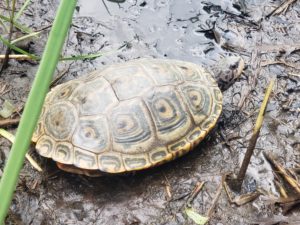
202,32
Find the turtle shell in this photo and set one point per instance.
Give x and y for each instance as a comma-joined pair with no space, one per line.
129,116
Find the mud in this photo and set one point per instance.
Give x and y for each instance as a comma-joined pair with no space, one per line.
197,31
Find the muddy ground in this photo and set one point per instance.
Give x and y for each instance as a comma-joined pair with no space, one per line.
192,30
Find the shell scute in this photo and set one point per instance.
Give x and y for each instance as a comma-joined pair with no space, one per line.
62,91
162,73
179,148
136,162
169,114
85,160
60,120
45,146
92,134
131,127
127,87
196,136
199,101
191,72
111,162
64,153
160,155
95,97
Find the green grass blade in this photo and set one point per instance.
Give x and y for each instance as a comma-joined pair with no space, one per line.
81,57
90,56
34,104
24,6
34,34
17,25
34,57
4,27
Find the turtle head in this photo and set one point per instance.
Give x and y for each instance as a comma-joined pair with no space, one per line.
227,70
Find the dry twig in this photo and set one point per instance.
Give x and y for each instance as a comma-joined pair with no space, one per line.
282,8
17,57
57,78
11,138
267,63
9,122
194,193
168,188
215,200
283,172
236,184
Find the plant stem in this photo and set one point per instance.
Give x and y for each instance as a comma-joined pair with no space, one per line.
252,143
11,27
34,104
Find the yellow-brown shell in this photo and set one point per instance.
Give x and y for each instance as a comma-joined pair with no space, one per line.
129,116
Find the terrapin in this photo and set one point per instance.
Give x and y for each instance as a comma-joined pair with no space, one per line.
130,116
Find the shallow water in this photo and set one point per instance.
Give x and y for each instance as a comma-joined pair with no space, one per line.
192,30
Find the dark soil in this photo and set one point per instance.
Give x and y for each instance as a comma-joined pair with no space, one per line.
192,30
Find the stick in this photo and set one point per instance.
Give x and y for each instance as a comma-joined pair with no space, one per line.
281,8
11,138
237,185
194,193
215,200
17,57
294,184
9,122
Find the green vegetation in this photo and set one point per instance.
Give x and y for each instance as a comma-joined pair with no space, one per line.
34,104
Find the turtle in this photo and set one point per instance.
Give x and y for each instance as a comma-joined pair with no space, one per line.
131,116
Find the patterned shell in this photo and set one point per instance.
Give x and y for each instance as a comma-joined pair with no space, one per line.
129,116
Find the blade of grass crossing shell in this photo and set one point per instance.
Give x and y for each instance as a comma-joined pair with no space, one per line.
34,104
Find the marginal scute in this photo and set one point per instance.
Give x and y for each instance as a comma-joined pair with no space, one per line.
180,148
159,155
95,97
64,153
136,162
85,160
130,126
195,136
169,115
111,162
216,110
45,146
92,134
217,95
209,123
